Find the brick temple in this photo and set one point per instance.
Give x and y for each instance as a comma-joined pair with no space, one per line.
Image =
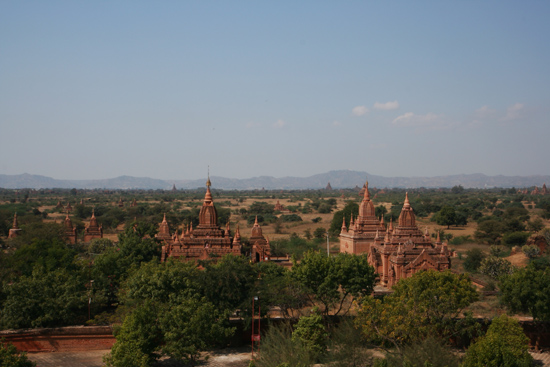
208,240
395,253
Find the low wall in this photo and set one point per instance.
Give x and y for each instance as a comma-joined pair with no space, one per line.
65,339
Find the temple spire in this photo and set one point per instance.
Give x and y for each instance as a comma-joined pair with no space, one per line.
367,194
15,222
407,203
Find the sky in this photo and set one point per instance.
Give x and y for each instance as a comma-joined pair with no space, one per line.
170,89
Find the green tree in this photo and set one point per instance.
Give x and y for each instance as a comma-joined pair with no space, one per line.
192,326
473,259
446,216
531,251
138,339
423,305
504,345
228,283
495,267
428,352
45,299
535,225
180,328
527,290
311,332
331,281
319,232
280,350
161,282
489,231
380,211
278,288
515,239
48,254
11,357
261,207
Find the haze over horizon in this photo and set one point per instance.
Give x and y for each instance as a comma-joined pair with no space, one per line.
92,90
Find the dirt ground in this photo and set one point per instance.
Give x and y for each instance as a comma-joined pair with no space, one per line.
239,357
231,357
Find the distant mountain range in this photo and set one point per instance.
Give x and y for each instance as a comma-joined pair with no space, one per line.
338,179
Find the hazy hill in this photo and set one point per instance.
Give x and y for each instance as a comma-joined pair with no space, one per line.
337,179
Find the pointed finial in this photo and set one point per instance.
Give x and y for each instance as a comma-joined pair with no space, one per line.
208,183
407,203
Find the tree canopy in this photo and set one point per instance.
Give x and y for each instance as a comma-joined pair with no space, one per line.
504,345
423,305
527,290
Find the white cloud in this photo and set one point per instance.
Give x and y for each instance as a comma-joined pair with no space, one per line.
359,110
485,112
514,111
387,106
251,125
429,120
279,124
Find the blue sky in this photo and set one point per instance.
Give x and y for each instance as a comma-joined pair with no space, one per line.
99,89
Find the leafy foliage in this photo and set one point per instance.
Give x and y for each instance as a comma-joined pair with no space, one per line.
528,290
311,332
423,305
495,267
330,280
473,260
279,349
504,345
45,299
11,357
429,352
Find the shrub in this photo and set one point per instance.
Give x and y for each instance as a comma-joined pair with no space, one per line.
291,218
473,260
504,345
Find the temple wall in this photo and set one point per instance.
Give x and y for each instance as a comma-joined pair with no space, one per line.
65,339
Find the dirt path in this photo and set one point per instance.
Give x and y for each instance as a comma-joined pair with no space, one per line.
231,357
234,357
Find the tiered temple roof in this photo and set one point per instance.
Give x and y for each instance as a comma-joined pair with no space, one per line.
207,241
405,250
260,248
93,229
69,230
361,232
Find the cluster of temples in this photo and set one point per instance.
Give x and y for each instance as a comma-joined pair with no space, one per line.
394,252
536,191
208,240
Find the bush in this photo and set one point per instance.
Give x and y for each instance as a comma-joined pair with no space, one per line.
311,333
531,251
291,218
430,352
348,346
515,239
278,349
495,267
460,240
11,357
504,345
473,260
